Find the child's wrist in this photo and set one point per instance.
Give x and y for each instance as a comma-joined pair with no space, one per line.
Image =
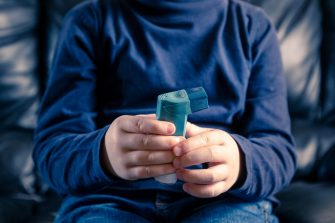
104,160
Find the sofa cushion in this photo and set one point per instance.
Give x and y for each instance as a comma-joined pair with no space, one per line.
15,210
315,151
16,165
326,167
307,203
18,64
18,107
328,62
298,25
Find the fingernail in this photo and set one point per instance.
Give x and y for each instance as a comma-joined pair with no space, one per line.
170,129
177,151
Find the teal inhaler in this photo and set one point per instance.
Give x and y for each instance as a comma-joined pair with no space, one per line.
175,107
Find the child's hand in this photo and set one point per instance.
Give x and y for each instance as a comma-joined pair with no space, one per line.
212,146
137,147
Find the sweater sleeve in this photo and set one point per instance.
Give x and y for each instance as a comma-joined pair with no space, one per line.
67,151
264,134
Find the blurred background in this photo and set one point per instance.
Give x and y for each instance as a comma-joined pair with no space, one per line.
306,32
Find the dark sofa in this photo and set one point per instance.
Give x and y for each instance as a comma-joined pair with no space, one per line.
306,31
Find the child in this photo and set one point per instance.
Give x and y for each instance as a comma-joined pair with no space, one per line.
98,144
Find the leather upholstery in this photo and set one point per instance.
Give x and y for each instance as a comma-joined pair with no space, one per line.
18,93
18,107
18,64
304,202
328,62
306,31
298,25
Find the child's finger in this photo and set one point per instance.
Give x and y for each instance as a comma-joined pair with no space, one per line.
134,141
203,176
205,191
207,154
208,138
141,172
193,130
143,158
144,125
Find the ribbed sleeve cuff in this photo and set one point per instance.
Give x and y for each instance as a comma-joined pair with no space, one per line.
245,189
98,173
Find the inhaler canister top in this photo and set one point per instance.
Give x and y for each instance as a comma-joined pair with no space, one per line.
183,102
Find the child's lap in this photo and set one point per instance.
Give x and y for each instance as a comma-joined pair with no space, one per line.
152,206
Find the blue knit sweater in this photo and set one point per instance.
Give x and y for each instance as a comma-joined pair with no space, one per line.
114,58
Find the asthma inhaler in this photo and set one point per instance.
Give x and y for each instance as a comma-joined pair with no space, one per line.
175,107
